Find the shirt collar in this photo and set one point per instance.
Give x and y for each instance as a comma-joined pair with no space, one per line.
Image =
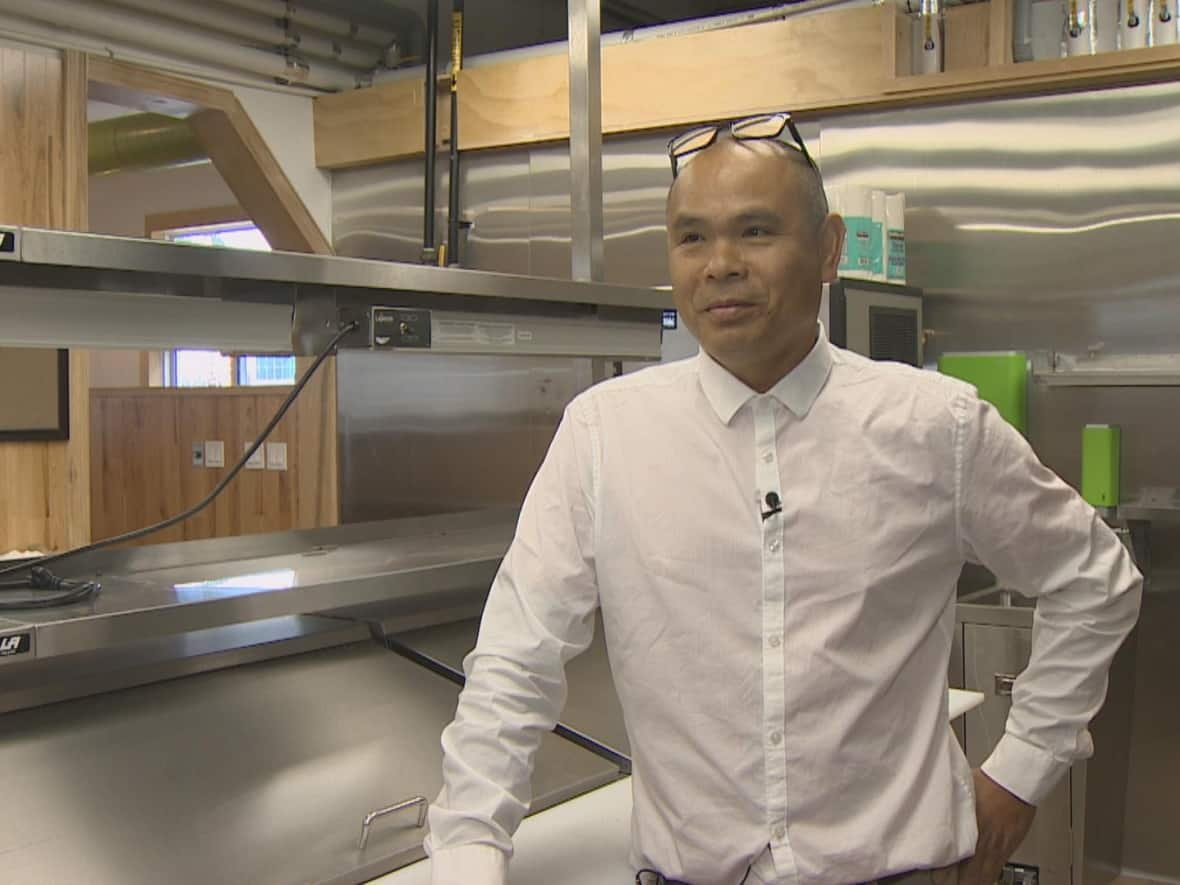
797,390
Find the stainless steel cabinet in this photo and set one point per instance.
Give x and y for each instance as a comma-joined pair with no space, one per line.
992,657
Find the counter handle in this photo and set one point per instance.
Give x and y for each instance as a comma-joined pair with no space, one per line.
419,801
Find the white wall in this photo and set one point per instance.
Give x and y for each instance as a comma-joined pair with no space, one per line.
120,201
115,368
285,123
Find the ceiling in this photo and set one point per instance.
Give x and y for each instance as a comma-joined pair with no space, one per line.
495,25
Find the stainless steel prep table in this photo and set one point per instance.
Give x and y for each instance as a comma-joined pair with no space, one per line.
411,566
592,708
255,774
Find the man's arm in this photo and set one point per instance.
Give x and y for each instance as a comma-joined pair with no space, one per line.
1040,538
539,615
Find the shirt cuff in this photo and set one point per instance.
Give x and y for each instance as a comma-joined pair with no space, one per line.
472,864
1027,772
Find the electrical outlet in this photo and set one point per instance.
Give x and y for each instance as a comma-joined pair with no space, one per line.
198,454
276,456
255,461
214,453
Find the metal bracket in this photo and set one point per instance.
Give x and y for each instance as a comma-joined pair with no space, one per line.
419,801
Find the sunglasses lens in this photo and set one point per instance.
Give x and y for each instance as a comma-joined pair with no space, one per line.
694,140
768,126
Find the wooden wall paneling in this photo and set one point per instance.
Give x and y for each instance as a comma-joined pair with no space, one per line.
142,454
43,183
968,32
999,46
315,442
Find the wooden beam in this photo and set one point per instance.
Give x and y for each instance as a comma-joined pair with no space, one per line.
231,140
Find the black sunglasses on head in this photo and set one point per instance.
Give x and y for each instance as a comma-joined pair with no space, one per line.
763,126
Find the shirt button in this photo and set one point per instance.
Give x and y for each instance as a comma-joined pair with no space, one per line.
779,832
768,456
775,641
776,737
774,545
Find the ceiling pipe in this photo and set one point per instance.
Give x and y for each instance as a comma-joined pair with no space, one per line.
140,141
319,21
264,32
86,18
21,30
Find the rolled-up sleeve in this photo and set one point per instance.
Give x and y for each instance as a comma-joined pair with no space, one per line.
1040,538
539,615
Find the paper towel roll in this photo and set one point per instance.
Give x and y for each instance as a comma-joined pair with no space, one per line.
877,238
895,251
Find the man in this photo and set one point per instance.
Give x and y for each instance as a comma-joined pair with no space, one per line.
773,532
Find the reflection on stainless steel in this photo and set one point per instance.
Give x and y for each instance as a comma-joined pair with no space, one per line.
427,433
431,564
255,775
57,260
592,706
518,201
585,88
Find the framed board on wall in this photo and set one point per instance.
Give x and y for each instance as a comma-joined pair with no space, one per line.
34,394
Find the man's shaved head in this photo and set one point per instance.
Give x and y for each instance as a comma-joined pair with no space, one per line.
814,200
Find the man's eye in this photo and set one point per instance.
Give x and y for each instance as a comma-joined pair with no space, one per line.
756,231
690,237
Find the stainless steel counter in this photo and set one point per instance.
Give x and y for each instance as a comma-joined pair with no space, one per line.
592,706
410,566
257,774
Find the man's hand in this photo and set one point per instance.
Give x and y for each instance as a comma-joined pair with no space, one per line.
1003,821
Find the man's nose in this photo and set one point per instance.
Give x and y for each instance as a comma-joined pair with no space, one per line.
725,260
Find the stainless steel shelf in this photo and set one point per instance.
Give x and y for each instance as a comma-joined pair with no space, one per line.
64,260
412,567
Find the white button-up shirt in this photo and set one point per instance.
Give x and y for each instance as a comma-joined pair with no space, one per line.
783,673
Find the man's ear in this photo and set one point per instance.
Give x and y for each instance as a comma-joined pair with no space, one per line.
831,242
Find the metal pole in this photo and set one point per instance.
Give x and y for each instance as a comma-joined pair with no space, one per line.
586,138
429,250
453,180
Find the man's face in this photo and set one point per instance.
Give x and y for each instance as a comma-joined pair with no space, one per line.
747,260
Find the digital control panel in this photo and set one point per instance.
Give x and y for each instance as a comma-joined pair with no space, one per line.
399,328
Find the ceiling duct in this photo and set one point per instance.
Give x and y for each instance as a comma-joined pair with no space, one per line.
174,39
140,141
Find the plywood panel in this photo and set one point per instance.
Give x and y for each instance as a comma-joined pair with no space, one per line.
814,61
43,183
142,443
831,62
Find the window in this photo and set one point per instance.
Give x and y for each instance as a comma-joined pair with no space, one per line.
211,368
261,370
234,235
